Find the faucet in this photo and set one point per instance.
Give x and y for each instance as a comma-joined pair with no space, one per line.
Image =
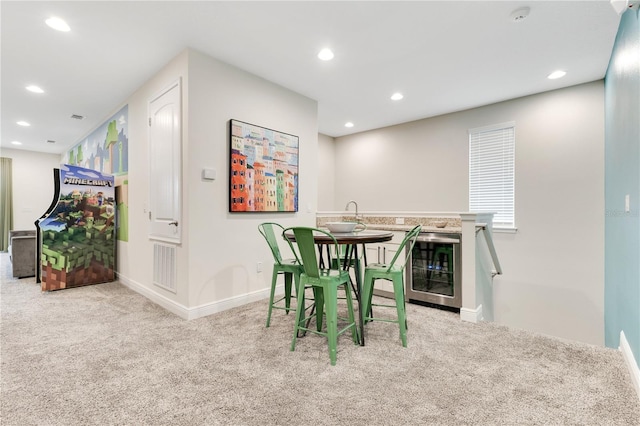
346,208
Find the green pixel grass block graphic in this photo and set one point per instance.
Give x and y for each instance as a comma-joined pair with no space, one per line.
79,245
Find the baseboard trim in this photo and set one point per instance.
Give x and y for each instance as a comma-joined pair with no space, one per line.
198,311
157,298
634,370
232,302
471,315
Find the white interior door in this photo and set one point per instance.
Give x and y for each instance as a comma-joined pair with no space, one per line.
165,164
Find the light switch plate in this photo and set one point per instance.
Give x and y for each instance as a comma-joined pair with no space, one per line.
208,174
627,206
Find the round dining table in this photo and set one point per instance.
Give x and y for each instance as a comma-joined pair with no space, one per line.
352,240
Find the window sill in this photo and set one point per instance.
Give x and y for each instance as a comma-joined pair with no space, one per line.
505,230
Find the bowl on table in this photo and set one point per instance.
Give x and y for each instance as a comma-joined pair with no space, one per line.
342,227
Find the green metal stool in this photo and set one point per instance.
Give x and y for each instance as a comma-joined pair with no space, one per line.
325,283
290,268
393,273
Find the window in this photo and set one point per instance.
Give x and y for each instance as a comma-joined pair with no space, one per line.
492,172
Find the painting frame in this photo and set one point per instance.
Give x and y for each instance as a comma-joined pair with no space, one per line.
263,169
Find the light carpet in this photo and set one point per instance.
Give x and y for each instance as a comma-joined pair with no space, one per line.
104,355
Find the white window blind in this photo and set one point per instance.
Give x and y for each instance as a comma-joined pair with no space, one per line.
492,172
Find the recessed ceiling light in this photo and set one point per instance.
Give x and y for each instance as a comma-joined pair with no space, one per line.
50,141
348,124
34,89
77,117
16,143
325,54
23,123
556,74
58,24
396,96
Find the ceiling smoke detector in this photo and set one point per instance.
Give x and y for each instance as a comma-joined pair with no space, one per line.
520,15
77,117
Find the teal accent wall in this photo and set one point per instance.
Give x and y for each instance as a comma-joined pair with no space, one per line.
622,177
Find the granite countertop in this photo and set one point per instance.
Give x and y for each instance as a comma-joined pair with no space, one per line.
454,229
389,223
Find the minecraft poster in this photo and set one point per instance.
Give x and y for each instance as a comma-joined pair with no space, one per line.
106,150
78,236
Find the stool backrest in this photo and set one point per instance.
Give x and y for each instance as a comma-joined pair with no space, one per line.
269,233
304,238
409,239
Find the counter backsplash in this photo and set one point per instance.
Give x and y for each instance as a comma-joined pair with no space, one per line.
453,224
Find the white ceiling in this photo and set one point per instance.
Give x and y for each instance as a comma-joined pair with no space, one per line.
444,56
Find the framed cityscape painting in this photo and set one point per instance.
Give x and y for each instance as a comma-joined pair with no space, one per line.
263,169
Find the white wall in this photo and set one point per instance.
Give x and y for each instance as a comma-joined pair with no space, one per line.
135,257
33,185
219,252
326,173
224,248
417,166
553,266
